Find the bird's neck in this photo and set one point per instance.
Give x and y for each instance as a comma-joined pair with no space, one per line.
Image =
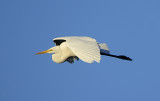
58,58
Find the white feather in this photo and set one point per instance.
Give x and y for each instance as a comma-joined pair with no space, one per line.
84,48
103,46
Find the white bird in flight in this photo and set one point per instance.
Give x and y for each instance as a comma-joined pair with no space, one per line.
74,48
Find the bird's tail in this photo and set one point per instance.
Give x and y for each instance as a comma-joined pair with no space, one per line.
104,48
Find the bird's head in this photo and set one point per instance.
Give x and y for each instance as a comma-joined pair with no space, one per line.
51,50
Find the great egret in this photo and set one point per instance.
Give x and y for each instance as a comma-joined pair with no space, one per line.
72,48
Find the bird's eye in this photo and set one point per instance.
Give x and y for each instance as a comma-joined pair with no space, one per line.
50,50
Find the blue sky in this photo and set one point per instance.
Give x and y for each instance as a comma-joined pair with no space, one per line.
129,27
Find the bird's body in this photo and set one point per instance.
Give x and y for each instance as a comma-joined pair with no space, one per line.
72,48
62,53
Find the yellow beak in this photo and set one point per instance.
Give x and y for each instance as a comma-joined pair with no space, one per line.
46,51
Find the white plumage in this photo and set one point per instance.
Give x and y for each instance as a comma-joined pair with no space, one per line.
84,48
74,48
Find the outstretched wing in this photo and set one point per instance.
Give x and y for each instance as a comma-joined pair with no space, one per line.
86,50
58,41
